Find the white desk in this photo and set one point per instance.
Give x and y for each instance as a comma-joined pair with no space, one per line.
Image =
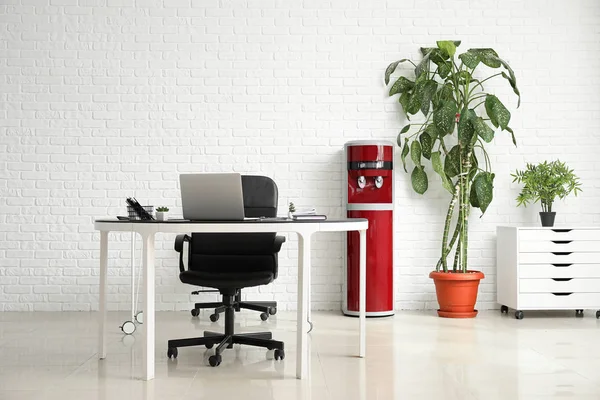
304,229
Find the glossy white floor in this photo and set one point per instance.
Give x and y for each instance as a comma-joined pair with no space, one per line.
410,356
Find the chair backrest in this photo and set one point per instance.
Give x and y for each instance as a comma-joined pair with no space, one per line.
260,200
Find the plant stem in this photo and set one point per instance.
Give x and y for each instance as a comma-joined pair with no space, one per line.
481,82
477,97
444,146
457,257
445,248
478,105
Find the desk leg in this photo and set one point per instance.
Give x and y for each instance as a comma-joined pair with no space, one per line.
302,315
102,294
362,300
149,275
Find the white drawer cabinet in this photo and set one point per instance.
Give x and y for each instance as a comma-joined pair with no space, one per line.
555,268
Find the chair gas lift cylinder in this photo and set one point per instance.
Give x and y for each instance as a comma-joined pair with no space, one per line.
369,193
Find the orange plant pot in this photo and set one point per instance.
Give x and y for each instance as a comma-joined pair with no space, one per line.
457,293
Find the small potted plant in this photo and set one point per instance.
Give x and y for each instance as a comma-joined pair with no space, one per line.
291,210
545,182
161,213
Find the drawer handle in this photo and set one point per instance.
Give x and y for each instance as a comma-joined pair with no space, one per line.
562,230
561,241
562,253
562,265
563,293
561,279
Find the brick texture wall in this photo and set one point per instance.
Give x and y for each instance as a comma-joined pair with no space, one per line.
104,99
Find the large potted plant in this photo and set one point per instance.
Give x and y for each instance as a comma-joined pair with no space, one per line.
459,120
545,182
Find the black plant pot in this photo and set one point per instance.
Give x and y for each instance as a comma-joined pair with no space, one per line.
547,218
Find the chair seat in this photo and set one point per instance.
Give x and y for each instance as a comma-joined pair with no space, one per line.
224,280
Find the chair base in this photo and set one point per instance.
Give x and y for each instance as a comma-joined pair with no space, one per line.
266,308
257,339
228,338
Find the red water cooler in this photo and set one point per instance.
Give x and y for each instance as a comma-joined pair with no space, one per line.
369,193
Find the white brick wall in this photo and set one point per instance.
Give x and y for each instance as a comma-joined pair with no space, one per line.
104,99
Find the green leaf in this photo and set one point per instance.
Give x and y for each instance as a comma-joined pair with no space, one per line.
445,94
433,132
447,46
465,128
427,50
423,65
444,117
484,189
452,162
403,100
405,129
513,135
436,162
444,69
470,59
419,180
473,197
428,92
426,144
513,83
464,76
415,152
401,85
499,115
391,68
483,130
487,56
405,150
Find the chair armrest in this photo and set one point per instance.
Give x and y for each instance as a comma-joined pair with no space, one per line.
179,248
279,240
179,242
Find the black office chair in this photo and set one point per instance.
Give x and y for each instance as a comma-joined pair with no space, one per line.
229,262
260,200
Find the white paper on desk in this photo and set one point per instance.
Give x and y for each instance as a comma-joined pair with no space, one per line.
305,211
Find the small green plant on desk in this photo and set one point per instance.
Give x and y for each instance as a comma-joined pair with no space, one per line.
161,213
545,182
291,210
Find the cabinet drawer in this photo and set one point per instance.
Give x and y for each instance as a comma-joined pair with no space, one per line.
548,301
541,246
559,271
559,258
558,234
559,285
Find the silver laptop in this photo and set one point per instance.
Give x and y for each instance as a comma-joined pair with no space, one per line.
212,197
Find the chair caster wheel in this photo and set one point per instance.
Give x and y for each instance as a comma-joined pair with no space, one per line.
172,352
139,317
195,312
215,360
209,345
128,327
504,309
579,313
279,354
264,316
519,314
272,310
214,317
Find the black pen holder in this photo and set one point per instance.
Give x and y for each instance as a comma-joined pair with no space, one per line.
133,215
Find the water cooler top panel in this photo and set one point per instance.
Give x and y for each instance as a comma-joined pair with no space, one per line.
370,172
